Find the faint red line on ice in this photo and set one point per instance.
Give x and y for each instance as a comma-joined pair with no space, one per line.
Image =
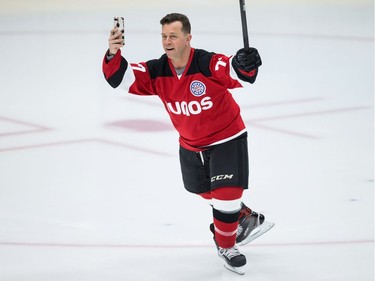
61,143
141,125
35,128
259,122
314,243
10,120
311,113
41,145
283,131
13,133
282,102
134,147
147,246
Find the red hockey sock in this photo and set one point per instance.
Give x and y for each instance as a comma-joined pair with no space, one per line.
207,195
226,211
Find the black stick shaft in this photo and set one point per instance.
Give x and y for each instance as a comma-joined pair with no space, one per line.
245,34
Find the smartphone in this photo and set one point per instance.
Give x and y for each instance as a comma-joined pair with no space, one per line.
120,24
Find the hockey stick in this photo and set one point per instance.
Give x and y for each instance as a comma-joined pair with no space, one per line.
245,34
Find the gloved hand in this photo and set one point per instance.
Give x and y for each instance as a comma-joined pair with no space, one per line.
246,63
247,60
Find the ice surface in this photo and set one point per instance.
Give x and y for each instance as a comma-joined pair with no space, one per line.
90,185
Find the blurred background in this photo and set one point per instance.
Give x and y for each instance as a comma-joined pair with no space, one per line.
90,184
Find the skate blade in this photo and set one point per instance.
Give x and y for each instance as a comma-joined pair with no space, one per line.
258,231
239,270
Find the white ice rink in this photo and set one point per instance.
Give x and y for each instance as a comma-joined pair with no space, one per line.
90,186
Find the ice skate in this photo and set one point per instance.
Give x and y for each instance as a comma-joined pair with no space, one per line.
251,226
233,259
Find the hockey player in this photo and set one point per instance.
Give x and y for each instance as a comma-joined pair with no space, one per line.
193,85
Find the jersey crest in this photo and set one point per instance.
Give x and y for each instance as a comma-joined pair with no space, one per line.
197,88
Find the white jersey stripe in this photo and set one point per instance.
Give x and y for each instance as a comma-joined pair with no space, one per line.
230,138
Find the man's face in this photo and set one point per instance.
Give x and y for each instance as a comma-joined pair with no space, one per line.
175,42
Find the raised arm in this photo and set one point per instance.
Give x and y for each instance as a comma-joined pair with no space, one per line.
114,65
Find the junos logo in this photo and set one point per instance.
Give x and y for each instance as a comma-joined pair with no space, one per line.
197,88
191,108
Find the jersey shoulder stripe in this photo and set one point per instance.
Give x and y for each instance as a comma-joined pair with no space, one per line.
200,63
159,67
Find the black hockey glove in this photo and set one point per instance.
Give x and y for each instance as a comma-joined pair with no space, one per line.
246,63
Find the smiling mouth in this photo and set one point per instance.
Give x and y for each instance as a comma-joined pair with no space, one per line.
169,49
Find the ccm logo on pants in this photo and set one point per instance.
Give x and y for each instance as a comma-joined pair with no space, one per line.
221,177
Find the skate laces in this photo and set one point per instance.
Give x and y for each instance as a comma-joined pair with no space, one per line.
239,229
229,252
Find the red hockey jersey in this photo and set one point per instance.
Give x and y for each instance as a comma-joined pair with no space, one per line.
198,102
